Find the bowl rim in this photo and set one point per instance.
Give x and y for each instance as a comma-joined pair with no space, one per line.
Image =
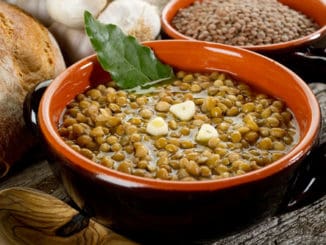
81,163
298,42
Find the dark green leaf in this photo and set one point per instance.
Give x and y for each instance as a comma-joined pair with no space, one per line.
129,63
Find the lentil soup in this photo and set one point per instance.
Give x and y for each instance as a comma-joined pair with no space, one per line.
200,126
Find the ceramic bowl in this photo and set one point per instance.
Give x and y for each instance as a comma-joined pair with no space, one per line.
150,208
306,56
315,9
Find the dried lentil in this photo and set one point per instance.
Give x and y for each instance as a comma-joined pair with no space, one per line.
242,22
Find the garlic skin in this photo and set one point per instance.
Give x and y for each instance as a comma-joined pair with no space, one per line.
74,43
137,18
159,4
71,13
36,8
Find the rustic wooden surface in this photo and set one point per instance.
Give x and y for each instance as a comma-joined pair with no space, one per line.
25,218
306,225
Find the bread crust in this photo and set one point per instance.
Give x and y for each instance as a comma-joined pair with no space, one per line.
28,55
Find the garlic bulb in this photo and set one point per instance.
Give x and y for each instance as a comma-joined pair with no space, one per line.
36,8
159,4
71,13
74,43
137,18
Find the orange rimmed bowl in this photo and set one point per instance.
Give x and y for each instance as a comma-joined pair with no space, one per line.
306,55
148,209
315,9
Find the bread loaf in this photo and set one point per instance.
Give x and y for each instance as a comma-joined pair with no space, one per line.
28,55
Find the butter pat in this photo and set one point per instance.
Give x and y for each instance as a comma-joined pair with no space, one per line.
157,126
184,111
206,132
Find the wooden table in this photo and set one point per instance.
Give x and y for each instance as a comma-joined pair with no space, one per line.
306,225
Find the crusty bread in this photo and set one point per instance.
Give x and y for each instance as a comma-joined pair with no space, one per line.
28,55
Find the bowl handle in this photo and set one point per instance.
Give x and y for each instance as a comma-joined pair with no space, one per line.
31,105
311,63
308,61
313,55
310,182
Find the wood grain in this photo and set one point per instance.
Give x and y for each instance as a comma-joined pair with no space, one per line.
306,225
28,216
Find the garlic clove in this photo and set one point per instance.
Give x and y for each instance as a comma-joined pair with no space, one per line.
184,111
206,132
74,43
137,18
157,126
71,13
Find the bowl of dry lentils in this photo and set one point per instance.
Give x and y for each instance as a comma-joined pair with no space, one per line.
265,26
212,149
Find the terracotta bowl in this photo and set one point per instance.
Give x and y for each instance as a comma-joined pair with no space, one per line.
315,9
150,208
306,55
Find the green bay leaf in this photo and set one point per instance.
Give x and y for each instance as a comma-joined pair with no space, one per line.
129,63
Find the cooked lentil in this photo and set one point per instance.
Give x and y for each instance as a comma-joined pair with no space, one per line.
242,22
240,128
